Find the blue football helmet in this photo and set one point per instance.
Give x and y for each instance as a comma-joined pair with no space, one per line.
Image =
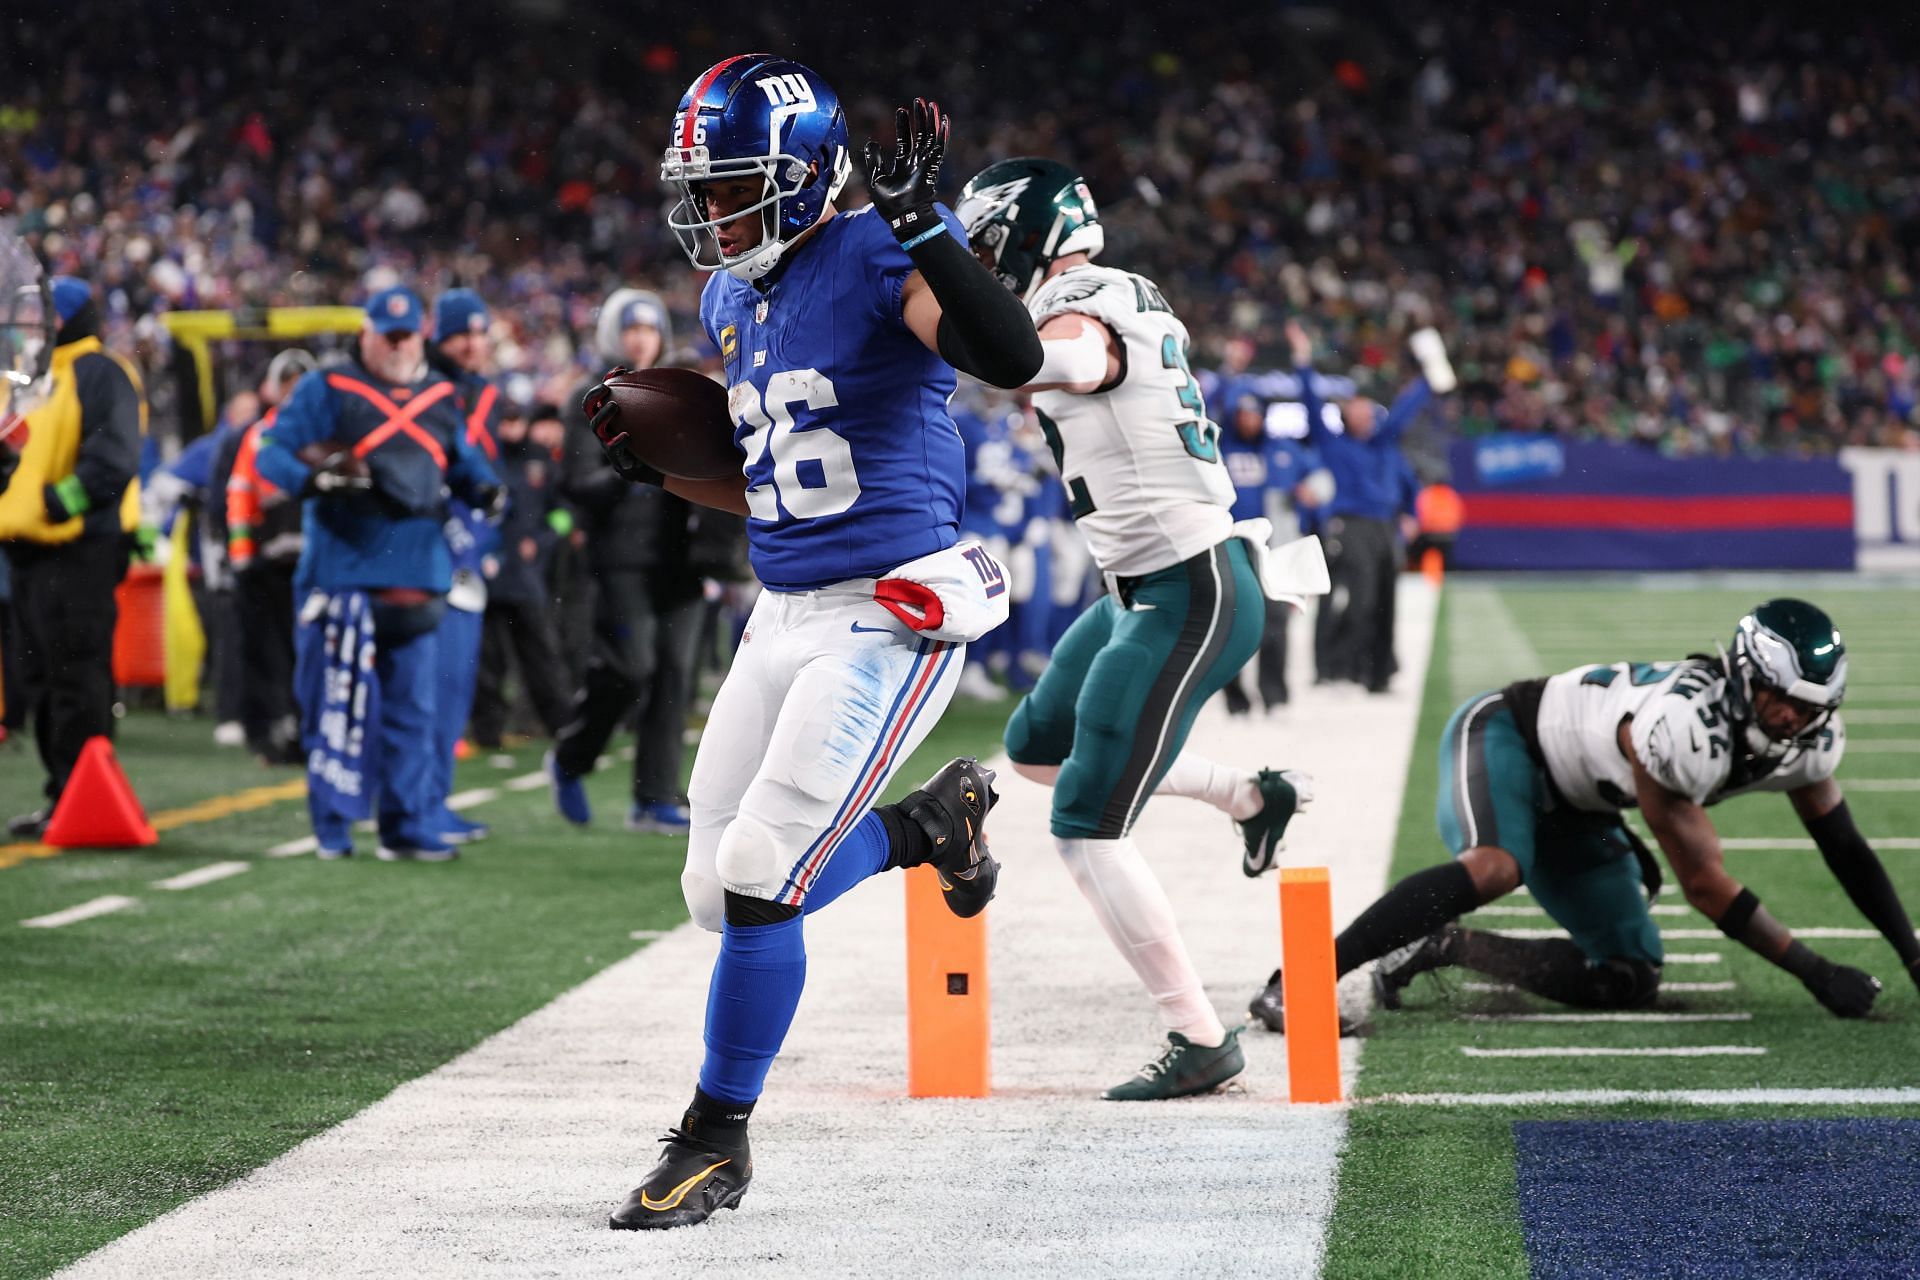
755,114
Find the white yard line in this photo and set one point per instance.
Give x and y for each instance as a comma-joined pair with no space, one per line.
1900,1097
1693,957
1487,647
648,935
506,1161
1713,935
1881,784
1503,909
294,848
1611,1017
85,911
1883,746
1754,843
202,875
468,799
1595,1051
527,781
503,761
1890,715
1508,987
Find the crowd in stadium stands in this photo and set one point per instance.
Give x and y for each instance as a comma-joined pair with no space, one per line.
1641,223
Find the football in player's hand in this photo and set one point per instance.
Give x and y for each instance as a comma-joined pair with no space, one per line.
677,421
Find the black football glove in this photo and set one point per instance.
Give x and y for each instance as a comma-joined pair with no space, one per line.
490,500
903,180
339,473
603,415
1847,992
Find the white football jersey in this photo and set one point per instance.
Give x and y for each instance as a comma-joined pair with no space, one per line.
1140,459
1680,733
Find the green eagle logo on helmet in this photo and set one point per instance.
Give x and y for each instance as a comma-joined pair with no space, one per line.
1022,215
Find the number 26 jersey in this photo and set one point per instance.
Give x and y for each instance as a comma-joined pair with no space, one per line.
853,463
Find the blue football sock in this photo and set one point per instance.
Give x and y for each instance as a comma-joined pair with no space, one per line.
863,853
756,987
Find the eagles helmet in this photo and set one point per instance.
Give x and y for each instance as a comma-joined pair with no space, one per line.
1022,214
755,115
27,326
1792,648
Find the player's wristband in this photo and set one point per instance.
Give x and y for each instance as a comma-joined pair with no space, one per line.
917,225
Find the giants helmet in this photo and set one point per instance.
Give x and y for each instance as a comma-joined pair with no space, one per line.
1792,648
755,115
1021,214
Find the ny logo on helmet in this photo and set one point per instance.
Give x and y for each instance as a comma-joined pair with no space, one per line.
788,90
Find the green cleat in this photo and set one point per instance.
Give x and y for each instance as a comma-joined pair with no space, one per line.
1286,792
1183,1070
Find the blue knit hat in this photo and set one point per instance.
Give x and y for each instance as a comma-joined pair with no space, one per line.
458,311
69,295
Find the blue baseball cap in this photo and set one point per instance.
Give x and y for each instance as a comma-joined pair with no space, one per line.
69,295
645,310
458,311
396,310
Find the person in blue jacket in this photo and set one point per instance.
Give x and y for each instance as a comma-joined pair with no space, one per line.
1359,525
373,446
1265,471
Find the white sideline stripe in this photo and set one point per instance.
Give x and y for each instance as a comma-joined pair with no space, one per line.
1611,1017
294,848
202,875
1693,957
1882,784
1713,935
527,781
1594,1051
1665,986
1679,1097
85,911
1749,843
1501,909
468,799
1883,746
506,1161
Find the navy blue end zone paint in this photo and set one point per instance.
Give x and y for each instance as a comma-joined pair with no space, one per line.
1751,1199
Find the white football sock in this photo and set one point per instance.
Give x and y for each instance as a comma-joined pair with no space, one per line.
1134,910
1233,792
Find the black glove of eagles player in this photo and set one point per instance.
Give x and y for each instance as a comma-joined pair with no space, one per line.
984,330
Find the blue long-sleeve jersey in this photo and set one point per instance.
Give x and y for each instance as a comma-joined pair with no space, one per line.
393,537
1366,473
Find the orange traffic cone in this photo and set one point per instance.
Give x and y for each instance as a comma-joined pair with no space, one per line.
98,810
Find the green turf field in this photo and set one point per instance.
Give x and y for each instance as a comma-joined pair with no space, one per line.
153,1054
1428,1188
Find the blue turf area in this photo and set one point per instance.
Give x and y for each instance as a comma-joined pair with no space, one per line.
1750,1199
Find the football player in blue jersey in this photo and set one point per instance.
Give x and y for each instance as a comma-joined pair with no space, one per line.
840,333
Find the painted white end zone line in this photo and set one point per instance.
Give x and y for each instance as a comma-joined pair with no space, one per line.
527,781
202,875
1582,1051
294,848
1680,1097
1610,1017
468,799
1693,957
1665,986
1501,909
85,911
1711,935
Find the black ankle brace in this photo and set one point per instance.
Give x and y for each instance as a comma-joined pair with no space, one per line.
907,842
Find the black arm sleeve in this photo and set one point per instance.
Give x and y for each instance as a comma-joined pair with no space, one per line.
109,455
1858,869
984,330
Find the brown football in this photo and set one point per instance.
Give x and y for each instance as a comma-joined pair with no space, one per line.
677,420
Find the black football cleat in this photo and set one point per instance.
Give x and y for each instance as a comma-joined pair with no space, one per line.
1269,1009
695,1178
1393,971
952,809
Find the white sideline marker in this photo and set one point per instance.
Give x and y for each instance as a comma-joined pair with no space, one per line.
85,911
1587,1051
1694,957
468,799
527,781
202,875
1682,1097
1610,1017
294,848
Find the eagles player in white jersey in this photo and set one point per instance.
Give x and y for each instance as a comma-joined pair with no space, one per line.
1533,781
1141,464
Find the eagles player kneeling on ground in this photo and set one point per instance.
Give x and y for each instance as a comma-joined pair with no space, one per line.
1533,780
1141,464
840,334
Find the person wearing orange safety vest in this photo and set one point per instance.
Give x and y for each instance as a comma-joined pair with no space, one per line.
373,447
66,512
263,546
